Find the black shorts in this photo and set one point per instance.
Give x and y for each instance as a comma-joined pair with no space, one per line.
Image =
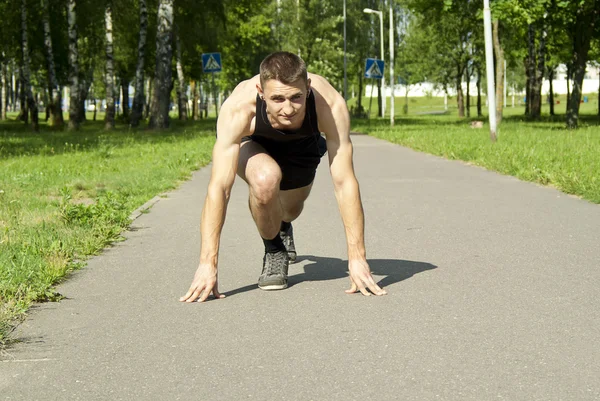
298,159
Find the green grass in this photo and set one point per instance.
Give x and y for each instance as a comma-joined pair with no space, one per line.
65,196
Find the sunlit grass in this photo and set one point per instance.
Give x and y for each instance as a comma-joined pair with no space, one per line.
65,196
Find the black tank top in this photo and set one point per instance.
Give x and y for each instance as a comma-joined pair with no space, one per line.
263,128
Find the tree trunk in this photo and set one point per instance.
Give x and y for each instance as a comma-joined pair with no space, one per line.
31,104
541,67
479,114
55,103
84,88
181,85
3,96
159,115
109,118
581,36
551,94
499,52
194,89
125,101
459,93
468,79
73,67
13,89
149,92
532,94
138,100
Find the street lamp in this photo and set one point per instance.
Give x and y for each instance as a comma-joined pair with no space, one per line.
370,11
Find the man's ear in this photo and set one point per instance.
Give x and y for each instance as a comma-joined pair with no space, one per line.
307,87
260,91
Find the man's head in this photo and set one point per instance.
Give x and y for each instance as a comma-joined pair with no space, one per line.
284,67
284,85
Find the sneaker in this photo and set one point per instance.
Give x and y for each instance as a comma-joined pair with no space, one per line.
288,242
275,271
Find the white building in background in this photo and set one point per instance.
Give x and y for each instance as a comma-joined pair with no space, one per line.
590,85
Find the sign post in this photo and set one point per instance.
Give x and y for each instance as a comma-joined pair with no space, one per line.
211,62
374,70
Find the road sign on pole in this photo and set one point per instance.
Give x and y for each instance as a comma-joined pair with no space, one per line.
211,62
374,68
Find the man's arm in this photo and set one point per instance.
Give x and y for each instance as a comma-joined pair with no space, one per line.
233,124
334,121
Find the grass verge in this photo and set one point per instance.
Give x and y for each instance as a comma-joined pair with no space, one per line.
65,196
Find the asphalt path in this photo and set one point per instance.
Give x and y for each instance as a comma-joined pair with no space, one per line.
493,294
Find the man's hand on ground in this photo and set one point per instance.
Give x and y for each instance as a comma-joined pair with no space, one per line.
361,279
205,282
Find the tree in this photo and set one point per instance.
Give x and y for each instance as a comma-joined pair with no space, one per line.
581,27
161,101
73,67
55,105
138,100
109,120
31,103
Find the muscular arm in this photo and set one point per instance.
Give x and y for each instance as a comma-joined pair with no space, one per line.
334,121
234,122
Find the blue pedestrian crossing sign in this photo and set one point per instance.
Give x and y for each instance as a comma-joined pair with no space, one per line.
374,68
211,62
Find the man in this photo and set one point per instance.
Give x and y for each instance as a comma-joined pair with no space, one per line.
273,141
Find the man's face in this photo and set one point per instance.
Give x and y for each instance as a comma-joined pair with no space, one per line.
286,103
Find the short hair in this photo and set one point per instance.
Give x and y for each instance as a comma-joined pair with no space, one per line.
284,67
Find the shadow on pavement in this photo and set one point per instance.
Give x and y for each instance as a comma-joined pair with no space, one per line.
322,268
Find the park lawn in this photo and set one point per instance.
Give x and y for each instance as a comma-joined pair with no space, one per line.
543,151
65,196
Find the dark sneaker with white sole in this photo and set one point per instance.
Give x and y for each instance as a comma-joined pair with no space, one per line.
275,271
288,241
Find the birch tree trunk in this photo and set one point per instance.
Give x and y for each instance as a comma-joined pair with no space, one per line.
54,105
531,64
148,100
73,67
109,119
159,114
181,86
194,89
4,97
31,104
138,100
499,52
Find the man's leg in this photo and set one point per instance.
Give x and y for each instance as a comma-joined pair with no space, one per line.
263,176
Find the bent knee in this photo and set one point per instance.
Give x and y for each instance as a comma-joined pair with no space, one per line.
264,183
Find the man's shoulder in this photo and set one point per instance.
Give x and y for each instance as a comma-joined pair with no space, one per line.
325,94
243,98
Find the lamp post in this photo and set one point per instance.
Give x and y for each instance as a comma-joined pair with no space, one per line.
380,13
345,75
489,61
392,80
